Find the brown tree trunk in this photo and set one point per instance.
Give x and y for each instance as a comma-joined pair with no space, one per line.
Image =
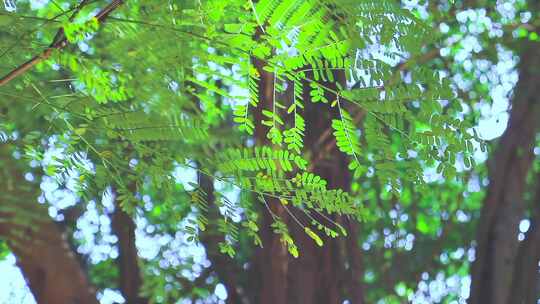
355,278
503,208
272,261
319,275
130,280
43,253
525,286
332,273
49,266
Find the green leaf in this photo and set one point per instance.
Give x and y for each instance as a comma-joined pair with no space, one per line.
314,236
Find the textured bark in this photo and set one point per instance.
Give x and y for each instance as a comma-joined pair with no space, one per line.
503,208
272,260
130,280
525,286
43,253
49,266
355,283
526,279
328,274
332,273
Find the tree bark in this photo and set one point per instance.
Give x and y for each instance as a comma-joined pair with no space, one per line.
526,281
503,208
130,280
328,274
331,273
43,253
272,261
49,266
525,286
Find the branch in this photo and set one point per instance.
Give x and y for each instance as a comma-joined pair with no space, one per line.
59,42
60,34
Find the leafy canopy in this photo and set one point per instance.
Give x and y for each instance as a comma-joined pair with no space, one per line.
150,87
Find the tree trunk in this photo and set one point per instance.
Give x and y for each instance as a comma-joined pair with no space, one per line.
503,208
320,275
331,273
272,261
526,278
43,253
130,280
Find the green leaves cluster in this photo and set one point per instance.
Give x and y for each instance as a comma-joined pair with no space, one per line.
205,65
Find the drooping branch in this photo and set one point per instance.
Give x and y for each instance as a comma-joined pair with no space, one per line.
60,41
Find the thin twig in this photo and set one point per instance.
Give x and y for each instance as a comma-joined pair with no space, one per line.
56,45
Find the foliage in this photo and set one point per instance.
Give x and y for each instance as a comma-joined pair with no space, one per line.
156,87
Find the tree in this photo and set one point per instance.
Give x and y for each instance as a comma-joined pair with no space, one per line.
310,127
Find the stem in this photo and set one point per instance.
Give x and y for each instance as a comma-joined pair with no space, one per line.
58,44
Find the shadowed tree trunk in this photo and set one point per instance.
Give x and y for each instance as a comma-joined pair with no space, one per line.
328,274
123,226
525,286
503,208
332,273
130,280
272,261
43,253
49,266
